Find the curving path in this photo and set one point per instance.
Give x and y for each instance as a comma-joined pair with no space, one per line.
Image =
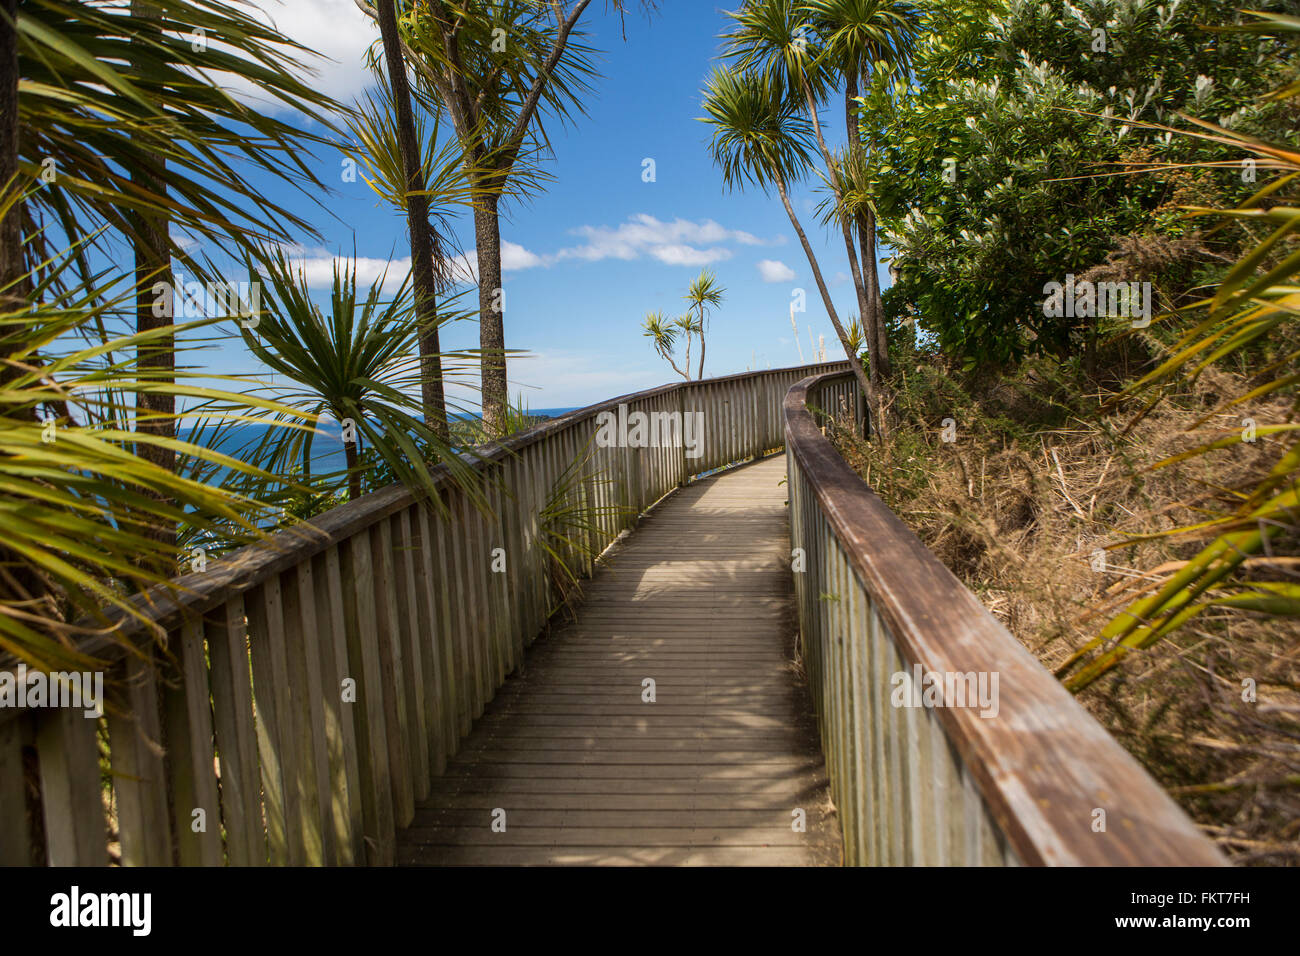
580,769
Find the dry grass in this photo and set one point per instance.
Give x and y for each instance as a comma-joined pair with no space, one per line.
1018,507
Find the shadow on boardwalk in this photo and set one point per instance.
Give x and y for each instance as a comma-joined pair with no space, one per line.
580,769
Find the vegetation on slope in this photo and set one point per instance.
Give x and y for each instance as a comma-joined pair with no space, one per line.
1120,486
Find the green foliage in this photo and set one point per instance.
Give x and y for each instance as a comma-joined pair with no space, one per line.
358,365
378,151
775,40
1258,298
469,431
1039,134
106,90
703,294
80,509
570,521
497,55
760,135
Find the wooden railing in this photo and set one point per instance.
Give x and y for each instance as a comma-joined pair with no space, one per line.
309,687
1025,775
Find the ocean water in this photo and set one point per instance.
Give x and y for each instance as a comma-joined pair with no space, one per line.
328,453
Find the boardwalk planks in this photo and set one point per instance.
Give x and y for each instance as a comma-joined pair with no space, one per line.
577,717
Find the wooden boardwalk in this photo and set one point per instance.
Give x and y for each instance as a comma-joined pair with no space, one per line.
581,769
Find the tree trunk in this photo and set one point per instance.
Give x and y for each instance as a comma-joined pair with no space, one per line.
878,335
423,267
873,321
155,360
701,375
11,237
687,362
352,457
21,582
869,304
854,364
491,314
465,116
845,227
846,230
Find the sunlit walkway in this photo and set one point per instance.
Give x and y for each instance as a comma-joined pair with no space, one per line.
573,763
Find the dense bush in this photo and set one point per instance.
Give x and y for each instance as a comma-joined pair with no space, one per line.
1007,160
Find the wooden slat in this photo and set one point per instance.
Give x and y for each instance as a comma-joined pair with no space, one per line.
191,753
392,670
859,785
304,648
511,581
15,834
443,634
529,491
459,601
430,635
277,742
71,798
340,716
139,774
415,679
473,571
498,603
232,712
369,710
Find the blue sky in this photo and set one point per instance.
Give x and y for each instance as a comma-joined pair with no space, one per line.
600,247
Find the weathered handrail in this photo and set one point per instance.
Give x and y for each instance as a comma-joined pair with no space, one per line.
1036,781
312,684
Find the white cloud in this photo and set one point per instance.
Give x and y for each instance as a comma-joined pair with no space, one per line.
680,242
318,265
514,258
676,255
773,270
677,243
336,31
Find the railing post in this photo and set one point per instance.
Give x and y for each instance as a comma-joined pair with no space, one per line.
681,457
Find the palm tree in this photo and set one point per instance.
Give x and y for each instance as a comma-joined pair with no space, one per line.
687,326
424,261
663,336
359,365
132,131
704,291
808,49
153,267
83,513
859,36
761,138
495,69
113,93
378,149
